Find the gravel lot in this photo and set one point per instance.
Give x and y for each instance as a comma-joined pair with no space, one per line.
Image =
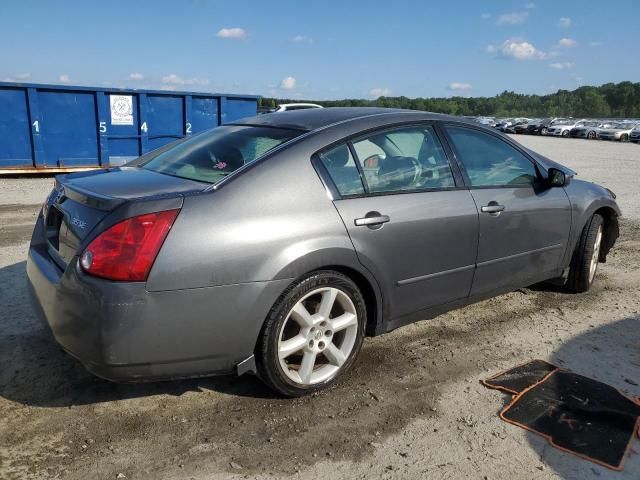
412,408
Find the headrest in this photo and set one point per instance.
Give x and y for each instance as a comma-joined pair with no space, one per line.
338,157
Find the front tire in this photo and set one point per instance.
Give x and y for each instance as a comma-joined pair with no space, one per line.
565,133
624,137
312,335
584,263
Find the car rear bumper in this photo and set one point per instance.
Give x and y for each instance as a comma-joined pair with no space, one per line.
122,332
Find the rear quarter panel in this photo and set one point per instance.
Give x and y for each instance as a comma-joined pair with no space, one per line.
272,221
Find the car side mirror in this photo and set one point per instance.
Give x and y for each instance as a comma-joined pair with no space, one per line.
557,178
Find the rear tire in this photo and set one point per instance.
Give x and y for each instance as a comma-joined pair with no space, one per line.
312,335
591,135
624,137
584,263
565,133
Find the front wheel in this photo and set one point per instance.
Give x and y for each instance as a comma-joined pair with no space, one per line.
312,335
591,135
565,133
624,137
584,263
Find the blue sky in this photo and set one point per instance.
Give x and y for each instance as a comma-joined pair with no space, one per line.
322,49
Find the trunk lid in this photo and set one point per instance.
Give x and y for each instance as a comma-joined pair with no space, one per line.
80,201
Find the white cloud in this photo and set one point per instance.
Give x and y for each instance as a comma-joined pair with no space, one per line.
566,42
460,86
514,18
288,83
530,5
519,50
485,16
302,39
234,33
18,77
564,22
561,65
379,92
136,76
173,79
64,78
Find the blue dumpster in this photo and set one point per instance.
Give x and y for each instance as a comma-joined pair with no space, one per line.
64,128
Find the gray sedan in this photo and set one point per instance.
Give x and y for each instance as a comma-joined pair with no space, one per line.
274,245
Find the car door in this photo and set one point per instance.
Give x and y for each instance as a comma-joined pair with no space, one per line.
524,226
412,224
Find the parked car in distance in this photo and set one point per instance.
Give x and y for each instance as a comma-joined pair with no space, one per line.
634,136
519,127
620,132
274,244
588,129
287,107
487,121
562,128
503,123
540,127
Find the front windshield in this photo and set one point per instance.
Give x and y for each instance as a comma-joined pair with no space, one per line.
212,155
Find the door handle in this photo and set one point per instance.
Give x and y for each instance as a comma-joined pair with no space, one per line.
493,208
372,221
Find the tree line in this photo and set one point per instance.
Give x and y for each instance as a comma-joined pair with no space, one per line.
611,100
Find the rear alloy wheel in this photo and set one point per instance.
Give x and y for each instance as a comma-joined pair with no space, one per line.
565,133
591,135
543,131
312,335
584,263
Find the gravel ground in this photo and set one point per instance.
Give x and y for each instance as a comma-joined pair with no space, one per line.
412,408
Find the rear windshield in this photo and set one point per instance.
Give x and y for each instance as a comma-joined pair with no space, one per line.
212,155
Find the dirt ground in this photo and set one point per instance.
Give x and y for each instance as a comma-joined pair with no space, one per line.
413,406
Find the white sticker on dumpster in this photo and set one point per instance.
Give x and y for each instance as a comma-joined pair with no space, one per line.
121,109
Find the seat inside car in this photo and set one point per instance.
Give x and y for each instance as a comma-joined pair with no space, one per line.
343,170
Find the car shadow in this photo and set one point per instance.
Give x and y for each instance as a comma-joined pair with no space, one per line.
610,354
35,371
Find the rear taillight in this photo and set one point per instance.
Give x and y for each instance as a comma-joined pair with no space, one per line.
126,251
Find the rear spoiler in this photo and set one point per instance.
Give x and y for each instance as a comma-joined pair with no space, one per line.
64,188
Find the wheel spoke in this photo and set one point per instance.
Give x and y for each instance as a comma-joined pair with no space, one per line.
301,315
334,355
292,345
306,366
343,321
328,299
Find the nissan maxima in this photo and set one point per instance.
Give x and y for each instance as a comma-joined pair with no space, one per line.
274,245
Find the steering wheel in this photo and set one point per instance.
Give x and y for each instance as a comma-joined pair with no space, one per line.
417,170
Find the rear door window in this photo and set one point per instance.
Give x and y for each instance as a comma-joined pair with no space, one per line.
343,170
404,159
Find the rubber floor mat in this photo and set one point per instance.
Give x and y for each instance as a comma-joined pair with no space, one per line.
517,379
579,415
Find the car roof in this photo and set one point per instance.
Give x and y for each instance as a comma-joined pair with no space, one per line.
316,118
